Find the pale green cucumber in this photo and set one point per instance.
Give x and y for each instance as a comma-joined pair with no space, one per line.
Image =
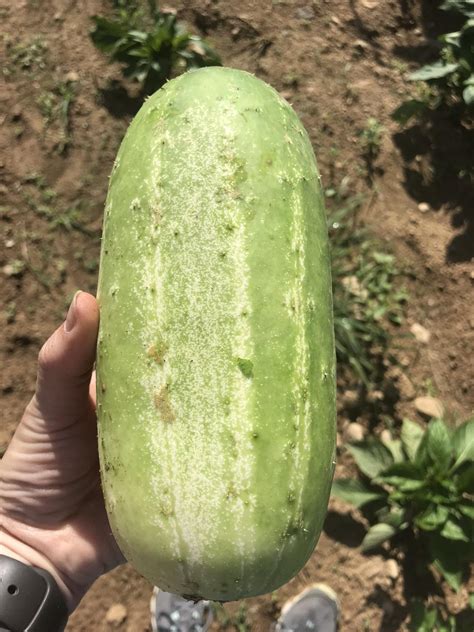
216,366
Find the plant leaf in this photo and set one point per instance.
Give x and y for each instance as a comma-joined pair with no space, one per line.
408,110
376,535
468,95
438,70
453,531
422,619
463,443
411,436
467,510
396,448
371,456
355,492
449,557
465,7
439,444
432,518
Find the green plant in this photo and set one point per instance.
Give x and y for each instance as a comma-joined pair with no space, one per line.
150,46
238,620
366,296
422,483
424,618
371,138
55,106
451,77
29,56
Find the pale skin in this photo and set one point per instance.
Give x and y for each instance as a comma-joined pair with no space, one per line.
52,512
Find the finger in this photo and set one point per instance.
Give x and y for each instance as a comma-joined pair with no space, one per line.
66,361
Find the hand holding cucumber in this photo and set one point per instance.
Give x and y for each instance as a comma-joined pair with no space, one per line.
51,507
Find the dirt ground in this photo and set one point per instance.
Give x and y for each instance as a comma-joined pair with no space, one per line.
338,62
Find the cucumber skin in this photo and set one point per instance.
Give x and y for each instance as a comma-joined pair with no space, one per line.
216,362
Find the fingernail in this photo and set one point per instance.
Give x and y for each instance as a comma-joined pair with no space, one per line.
71,314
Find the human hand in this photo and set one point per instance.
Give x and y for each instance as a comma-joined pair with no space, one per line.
52,512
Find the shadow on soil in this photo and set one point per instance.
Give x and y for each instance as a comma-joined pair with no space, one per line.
437,155
343,528
437,152
118,102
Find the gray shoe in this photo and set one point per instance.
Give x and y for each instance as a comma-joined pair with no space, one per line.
316,609
171,613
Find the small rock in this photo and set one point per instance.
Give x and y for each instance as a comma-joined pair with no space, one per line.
423,207
335,20
429,406
370,4
339,441
386,436
350,398
9,243
421,333
392,568
305,13
354,432
361,44
116,614
407,390
17,113
72,76
375,396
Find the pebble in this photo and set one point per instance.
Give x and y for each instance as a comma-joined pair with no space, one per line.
354,432
305,13
116,614
362,44
423,207
421,333
392,568
9,243
405,385
72,76
386,436
350,398
429,406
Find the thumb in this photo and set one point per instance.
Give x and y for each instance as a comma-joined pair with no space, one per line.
66,361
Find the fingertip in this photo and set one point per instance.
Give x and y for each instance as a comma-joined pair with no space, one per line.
86,310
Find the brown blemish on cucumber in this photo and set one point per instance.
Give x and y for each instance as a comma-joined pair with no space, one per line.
163,405
157,351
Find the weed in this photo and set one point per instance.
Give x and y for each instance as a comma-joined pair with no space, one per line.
28,56
424,618
366,299
238,620
151,46
371,140
421,484
55,106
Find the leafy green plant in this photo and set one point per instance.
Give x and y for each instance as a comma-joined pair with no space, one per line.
421,484
371,138
238,621
152,45
430,619
366,297
55,106
451,77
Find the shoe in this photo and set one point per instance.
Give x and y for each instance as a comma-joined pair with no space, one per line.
316,608
171,613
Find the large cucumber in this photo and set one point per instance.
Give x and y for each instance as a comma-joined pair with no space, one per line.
216,369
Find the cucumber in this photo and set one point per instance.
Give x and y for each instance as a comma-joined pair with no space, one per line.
216,363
